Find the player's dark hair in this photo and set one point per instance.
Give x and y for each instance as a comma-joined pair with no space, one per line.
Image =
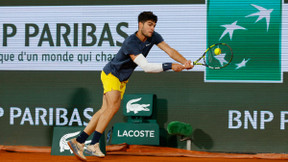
147,15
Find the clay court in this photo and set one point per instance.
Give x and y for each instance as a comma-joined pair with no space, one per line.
139,153
45,157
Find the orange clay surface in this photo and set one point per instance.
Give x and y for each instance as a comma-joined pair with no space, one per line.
46,157
137,153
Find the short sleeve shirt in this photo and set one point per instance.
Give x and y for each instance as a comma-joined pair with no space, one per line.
122,66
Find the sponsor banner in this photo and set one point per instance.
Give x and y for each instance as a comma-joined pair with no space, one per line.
40,116
87,37
257,120
209,108
100,2
61,135
253,30
284,38
138,134
138,104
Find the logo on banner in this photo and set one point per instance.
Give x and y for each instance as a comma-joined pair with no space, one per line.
64,139
133,107
253,30
61,135
138,134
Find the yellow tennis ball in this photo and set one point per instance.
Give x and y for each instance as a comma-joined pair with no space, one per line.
217,51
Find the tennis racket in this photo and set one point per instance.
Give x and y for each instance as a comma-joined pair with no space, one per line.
217,56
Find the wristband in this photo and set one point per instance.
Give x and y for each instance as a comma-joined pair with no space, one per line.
167,66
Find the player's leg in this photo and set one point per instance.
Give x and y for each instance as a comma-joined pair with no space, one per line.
90,128
107,82
77,144
113,101
113,93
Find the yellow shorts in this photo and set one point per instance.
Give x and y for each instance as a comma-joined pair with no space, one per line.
110,83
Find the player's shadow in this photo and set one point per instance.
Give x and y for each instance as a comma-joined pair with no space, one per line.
202,140
80,99
161,114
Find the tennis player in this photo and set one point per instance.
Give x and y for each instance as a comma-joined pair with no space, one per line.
115,76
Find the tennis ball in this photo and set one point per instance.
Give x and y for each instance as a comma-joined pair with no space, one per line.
217,51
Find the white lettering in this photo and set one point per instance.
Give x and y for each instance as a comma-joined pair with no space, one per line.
118,134
86,115
60,116
27,117
142,134
50,116
283,120
75,117
42,117
248,117
264,120
1,112
152,134
125,133
129,132
234,119
46,116
13,115
137,133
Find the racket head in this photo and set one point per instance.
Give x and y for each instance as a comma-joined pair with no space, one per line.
218,61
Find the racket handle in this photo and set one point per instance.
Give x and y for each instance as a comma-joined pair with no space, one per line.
197,63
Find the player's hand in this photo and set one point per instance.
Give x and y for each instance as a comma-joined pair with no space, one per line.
188,65
177,67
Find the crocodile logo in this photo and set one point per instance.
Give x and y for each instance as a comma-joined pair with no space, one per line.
131,106
64,139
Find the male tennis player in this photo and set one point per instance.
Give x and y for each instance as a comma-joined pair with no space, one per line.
115,76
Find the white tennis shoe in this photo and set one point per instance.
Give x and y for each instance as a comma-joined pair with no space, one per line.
94,150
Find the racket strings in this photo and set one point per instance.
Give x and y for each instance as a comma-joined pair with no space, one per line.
215,60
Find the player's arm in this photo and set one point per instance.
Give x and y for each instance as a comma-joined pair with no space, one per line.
175,55
141,61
